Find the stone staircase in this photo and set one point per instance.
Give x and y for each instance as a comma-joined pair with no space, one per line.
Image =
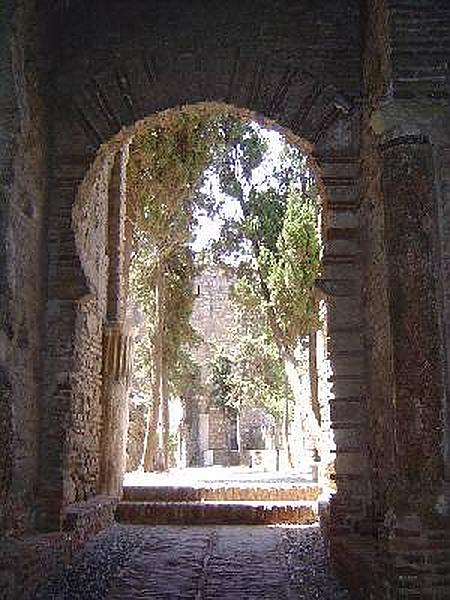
231,505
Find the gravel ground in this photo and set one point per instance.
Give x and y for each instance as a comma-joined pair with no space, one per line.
309,573
199,563
91,573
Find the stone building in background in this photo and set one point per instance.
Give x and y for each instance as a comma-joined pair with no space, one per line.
213,434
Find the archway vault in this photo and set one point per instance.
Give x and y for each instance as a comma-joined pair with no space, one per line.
94,114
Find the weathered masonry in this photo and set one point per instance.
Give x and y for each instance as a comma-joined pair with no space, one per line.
364,86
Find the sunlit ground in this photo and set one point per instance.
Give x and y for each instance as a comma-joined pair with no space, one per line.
219,476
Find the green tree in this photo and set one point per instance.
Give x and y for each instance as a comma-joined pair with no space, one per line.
251,374
166,169
279,223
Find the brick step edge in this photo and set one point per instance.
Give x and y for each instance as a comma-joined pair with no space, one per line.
191,494
198,513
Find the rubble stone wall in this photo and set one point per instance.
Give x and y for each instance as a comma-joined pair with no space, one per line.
90,221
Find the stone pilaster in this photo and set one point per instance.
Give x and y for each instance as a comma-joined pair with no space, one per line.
117,366
415,534
117,339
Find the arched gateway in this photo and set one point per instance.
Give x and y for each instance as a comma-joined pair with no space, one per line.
335,75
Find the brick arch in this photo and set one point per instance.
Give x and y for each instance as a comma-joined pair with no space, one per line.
90,120
91,111
134,89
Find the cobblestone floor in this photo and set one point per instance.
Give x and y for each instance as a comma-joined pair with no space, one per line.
199,563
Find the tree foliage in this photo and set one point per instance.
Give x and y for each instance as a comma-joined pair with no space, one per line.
178,332
166,169
251,374
276,239
279,225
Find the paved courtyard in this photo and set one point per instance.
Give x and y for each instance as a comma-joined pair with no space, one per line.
218,476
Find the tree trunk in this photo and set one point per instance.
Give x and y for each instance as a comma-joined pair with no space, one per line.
151,437
153,443
286,426
313,376
165,415
311,424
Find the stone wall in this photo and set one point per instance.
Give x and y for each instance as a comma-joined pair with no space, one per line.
28,561
23,189
407,124
257,430
214,318
90,222
275,72
213,315
404,130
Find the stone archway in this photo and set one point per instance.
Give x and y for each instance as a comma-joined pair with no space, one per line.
299,64
315,112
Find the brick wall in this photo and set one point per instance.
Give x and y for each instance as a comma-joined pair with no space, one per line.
403,131
419,55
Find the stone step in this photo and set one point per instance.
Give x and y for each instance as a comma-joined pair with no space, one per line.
195,494
217,513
